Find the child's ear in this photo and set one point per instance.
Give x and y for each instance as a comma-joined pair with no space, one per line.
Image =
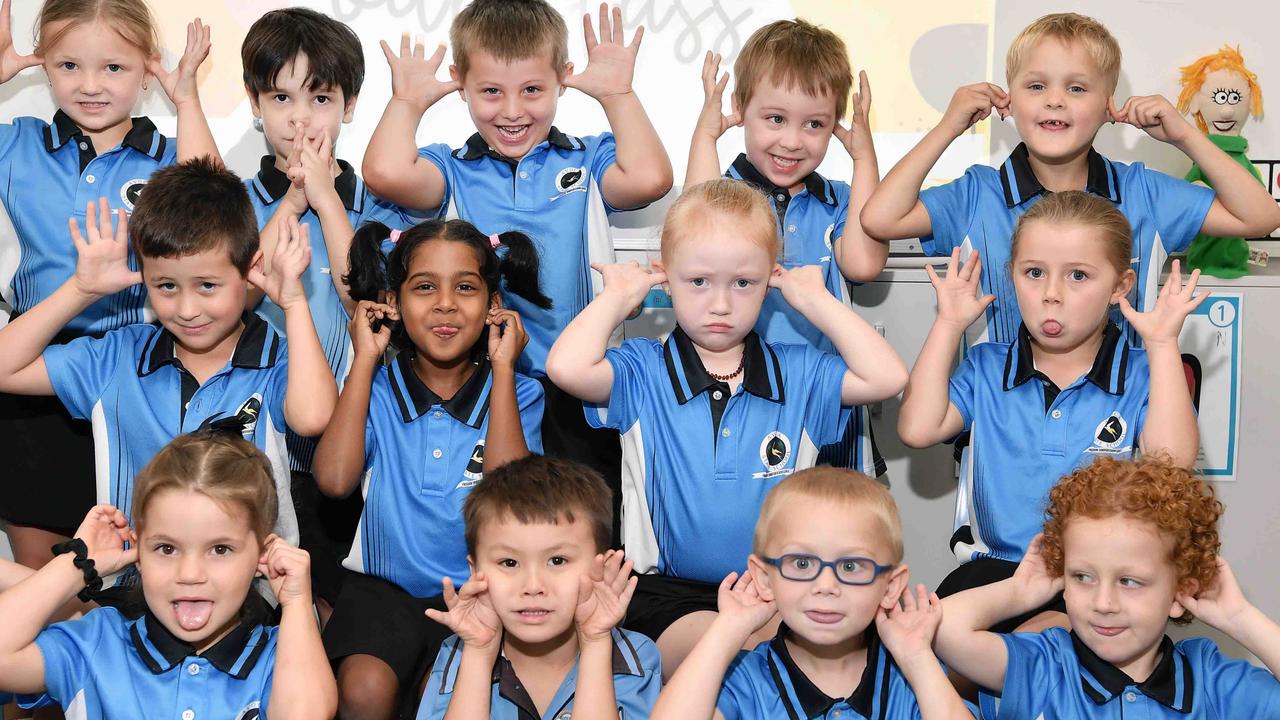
471,564
661,267
898,579
349,111
566,73
1190,587
1124,286
456,77
253,101
760,574
392,300
495,299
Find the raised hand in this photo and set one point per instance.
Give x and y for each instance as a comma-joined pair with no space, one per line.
974,103
740,604
603,596
470,613
1221,605
629,281
295,198
364,341
104,531
712,121
413,75
1154,115
11,63
908,627
1162,323
287,569
181,84
507,337
799,285
283,281
610,62
857,137
1037,585
102,262
316,166
958,300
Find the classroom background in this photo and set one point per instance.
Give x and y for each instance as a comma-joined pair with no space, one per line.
915,53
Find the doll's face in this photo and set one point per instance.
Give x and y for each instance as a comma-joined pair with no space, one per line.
1224,101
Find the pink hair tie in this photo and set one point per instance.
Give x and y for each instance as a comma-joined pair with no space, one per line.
395,236
494,241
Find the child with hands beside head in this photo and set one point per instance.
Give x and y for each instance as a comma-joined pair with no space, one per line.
99,57
1062,71
205,506
520,172
536,624
1132,546
793,82
853,641
417,435
209,359
714,416
1069,389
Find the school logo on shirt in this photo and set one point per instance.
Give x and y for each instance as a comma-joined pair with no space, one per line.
130,191
569,180
775,451
826,236
1109,435
250,712
475,467
247,415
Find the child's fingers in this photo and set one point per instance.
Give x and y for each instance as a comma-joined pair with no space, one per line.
588,33
449,592
864,91
437,57
628,591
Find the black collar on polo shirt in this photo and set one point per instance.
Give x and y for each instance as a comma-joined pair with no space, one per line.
1021,184
468,405
236,654
258,347
477,148
276,183
761,371
143,137
814,702
1108,370
813,182
1103,681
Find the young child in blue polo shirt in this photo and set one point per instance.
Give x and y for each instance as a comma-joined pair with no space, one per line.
793,82
1062,70
1069,389
854,642
536,623
99,58
208,360
418,434
520,172
205,505
714,416
1132,545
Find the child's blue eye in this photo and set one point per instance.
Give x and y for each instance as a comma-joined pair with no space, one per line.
166,286
532,90
114,68
1035,273
1035,86
208,286
742,283
1130,582
814,124
1079,275
490,91
1081,577
698,282
68,65
775,119
1076,89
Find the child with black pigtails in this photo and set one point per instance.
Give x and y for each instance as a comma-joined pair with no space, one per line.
418,433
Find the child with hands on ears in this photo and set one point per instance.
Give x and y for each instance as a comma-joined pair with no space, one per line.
1132,545
1069,388
417,434
205,507
714,410
1062,72
536,623
98,57
194,234
854,640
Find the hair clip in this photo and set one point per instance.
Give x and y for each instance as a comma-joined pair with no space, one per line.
395,236
494,241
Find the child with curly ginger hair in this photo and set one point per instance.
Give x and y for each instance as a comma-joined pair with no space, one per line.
1131,545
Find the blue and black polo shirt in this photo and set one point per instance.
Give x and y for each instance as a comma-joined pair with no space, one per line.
133,388
766,683
698,461
1054,675
422,457
1025,433
104,665
979,210
553,195
637,680
48,173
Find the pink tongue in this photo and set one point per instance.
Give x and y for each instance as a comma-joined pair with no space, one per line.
1052,327
193,614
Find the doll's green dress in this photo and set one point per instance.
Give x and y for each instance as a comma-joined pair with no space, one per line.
1222,257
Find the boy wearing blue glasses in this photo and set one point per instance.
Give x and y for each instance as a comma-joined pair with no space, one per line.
854,641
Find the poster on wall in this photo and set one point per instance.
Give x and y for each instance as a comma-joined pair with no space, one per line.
1210,343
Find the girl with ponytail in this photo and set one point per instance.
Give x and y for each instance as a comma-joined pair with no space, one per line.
417,434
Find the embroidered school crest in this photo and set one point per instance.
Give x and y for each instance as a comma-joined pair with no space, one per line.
131,190
775,451
826,236
571,179
475,467
247,415
249,712
1109,435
